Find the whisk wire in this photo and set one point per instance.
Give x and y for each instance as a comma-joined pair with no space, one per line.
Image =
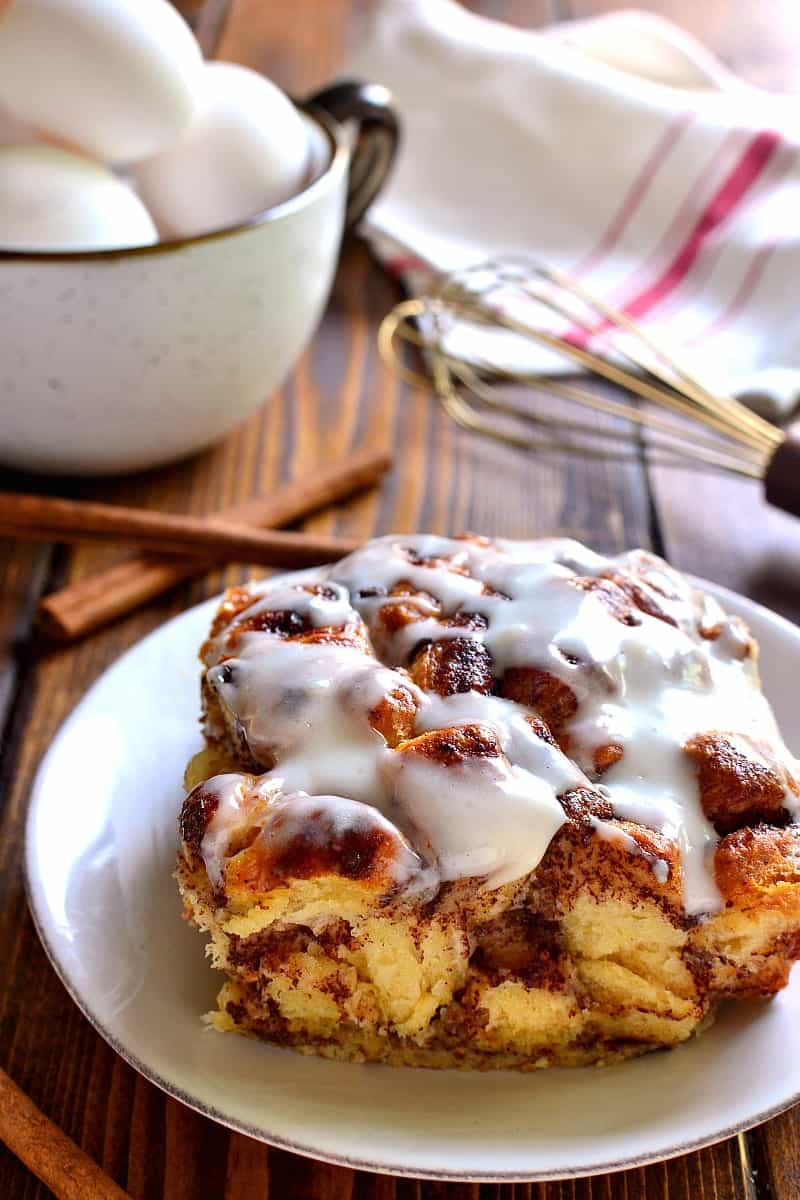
741,415
738,440
462,411
662,365
599,365
700,449
475,380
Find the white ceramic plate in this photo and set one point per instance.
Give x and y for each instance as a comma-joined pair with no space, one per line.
101,840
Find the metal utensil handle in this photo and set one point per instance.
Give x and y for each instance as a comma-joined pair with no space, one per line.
370,105
782,478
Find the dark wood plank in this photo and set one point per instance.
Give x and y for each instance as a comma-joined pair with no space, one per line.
23,570
723,529
300,45
775,1150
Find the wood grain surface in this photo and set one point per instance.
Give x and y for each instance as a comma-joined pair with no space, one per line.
445,480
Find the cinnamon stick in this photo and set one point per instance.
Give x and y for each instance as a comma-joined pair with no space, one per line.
91,603
45,518
48,1152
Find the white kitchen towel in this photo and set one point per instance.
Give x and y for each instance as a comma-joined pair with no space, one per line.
618,150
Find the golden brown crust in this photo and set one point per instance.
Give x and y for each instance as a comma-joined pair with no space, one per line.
754,861
365,853
452,665
740,783
197,811
655,589
583,804
395,716
235,601
604,757
743,643
230,625
549,697
621,864
274,842
408,605
455,746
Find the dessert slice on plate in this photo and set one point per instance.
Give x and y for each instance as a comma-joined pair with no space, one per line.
487,804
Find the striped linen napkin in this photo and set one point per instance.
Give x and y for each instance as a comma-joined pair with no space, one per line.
618,150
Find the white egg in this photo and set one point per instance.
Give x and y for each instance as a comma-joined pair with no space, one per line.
116,80
53,200
246,150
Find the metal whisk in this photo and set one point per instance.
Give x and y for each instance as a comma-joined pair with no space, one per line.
482,332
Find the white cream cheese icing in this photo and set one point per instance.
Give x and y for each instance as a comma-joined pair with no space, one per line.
642,684
282,815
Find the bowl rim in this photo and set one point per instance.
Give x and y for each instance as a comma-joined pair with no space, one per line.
339,154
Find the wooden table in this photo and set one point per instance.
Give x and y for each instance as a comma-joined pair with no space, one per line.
445,480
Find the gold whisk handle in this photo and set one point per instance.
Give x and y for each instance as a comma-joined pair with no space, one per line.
782,478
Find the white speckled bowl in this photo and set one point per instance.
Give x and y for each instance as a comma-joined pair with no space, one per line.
115,361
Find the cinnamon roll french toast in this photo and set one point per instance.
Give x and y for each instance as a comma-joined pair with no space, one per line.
473,803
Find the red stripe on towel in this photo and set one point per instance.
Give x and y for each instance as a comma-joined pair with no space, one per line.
727,198
635,195
754,270
400,264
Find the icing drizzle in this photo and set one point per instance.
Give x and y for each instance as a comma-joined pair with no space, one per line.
645,679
